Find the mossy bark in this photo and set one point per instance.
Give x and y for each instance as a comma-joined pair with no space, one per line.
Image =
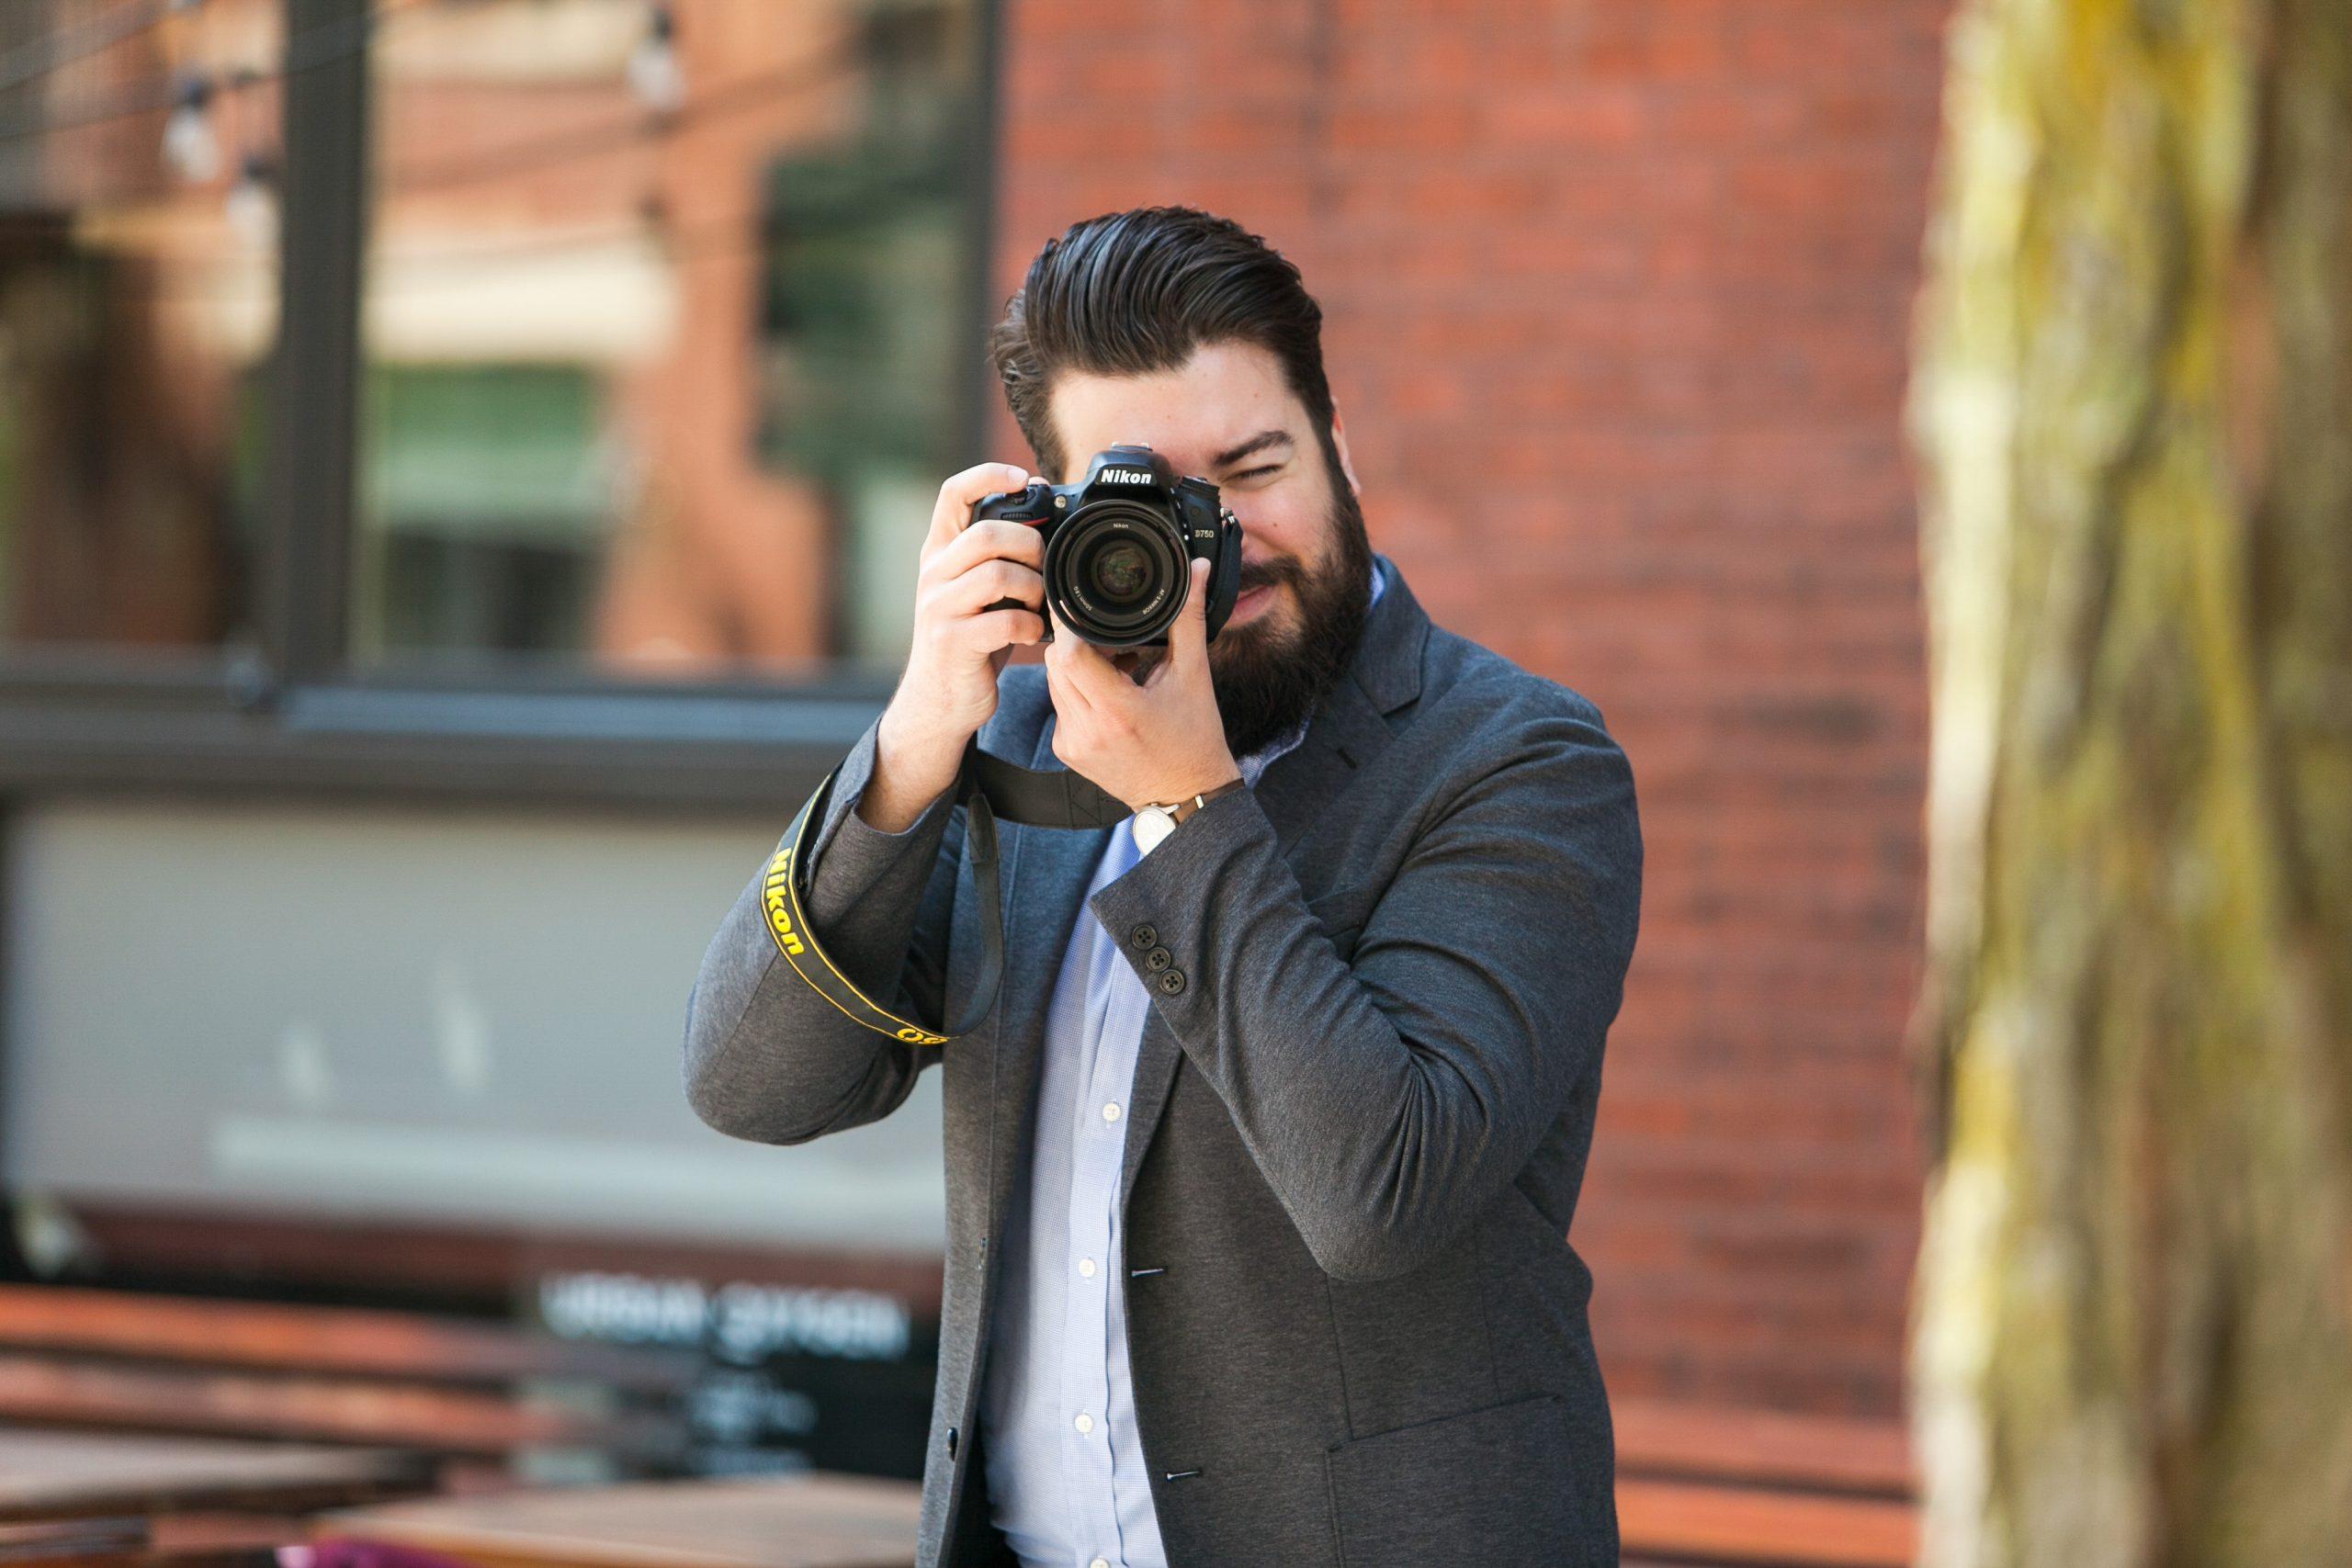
2133,403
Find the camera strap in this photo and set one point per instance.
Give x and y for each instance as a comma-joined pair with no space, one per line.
988,788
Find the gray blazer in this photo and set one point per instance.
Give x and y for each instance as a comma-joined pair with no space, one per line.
1359,1116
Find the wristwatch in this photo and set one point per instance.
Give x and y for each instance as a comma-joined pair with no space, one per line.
1155,821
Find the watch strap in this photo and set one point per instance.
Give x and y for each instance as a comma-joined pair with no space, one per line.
1179,810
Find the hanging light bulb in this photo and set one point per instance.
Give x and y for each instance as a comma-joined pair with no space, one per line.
253,203
654,70
189,145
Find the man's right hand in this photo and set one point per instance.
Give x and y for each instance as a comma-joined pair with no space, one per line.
948,691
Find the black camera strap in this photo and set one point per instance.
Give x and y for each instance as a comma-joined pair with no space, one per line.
988,788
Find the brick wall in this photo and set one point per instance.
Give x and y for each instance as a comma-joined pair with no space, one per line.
1619,298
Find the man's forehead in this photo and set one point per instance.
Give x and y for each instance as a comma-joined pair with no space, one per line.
1223,398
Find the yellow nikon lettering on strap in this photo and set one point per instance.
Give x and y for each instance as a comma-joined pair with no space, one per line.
776,897
780,904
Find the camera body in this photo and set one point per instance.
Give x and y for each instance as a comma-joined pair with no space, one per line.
1120,545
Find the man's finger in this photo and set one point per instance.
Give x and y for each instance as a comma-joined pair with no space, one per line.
993,539
1188,638
1059,680
1089,668
962,491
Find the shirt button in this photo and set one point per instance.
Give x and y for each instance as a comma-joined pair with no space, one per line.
1085,1422
1145,936
1111,1111
1158,958
1086,1267
1172,982
1098,1562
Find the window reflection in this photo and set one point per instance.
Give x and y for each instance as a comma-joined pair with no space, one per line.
669,349
138,271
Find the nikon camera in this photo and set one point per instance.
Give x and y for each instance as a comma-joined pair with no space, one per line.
1119,547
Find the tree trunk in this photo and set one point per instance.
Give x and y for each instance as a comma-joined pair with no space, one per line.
2133,405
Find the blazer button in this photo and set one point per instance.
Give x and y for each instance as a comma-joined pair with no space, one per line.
951,1442
1172,982
1158,958
1143,936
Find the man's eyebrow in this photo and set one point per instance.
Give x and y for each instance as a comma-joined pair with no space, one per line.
1257,443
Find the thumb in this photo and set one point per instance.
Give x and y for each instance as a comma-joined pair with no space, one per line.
1188,637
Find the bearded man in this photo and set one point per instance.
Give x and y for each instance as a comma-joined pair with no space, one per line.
1261,1167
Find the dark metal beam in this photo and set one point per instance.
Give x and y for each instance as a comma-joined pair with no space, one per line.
324,193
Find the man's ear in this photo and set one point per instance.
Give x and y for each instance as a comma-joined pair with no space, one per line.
1340,444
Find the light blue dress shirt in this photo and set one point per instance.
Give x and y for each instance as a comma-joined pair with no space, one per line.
1065,1466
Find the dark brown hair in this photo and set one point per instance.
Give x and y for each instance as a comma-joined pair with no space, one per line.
1130,293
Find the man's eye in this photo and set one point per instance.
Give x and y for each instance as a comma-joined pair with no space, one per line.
1253,473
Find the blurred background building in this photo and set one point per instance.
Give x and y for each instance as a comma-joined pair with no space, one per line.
461,468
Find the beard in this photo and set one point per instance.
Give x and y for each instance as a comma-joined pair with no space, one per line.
1269,677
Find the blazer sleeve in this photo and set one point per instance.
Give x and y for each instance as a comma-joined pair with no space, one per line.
1389,1097
769,1059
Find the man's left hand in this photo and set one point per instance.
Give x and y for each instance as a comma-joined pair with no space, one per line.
1159,740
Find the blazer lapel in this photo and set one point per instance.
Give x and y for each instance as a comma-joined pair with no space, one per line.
1046,882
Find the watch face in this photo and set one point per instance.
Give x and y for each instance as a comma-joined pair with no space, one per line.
1151,825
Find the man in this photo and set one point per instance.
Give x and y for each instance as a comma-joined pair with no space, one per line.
1259,1172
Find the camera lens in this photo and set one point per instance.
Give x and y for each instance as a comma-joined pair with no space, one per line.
1119,571
1115,570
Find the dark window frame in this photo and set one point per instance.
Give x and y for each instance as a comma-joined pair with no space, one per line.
294,718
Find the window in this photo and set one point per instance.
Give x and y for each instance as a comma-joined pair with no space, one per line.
668,332
663,328
138,294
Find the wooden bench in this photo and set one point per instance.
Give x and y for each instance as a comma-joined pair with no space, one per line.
811,1520
834,1521
1697,1485
103,1498
473,1395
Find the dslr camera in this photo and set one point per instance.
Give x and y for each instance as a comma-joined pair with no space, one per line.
1119,547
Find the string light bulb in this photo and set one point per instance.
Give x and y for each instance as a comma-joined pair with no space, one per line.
252,205
654,70
190,146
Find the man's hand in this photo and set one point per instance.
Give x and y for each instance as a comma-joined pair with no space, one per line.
1161,740
960,645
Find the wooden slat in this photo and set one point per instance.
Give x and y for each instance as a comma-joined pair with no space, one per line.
1761,1446
47,1473
800,1521
1688,1523
182,1399
329,1339
76,1543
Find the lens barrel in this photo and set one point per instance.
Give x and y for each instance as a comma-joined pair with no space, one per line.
1117,571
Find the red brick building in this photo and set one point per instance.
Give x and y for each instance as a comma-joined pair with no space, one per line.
1617,300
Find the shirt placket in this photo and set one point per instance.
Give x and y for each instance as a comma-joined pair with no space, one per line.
1096,1143
1138,1523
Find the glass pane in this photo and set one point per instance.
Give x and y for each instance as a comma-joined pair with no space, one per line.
669,332
138,306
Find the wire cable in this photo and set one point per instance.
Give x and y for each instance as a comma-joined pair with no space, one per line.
322,44
36,58
529,154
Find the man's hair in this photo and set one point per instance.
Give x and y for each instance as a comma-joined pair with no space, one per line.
1130,293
